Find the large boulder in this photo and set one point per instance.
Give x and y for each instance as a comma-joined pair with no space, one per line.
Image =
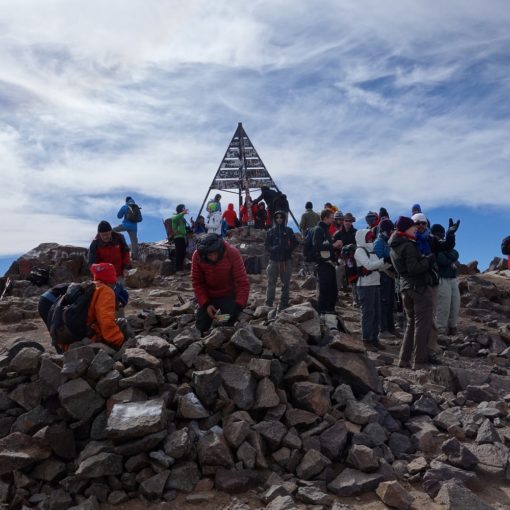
18,451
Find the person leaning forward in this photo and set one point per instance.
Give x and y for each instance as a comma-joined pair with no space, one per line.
219,280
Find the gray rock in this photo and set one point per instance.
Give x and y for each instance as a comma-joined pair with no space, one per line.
313,496
363,458
117,498
272,432
300,417
245,340
60,439
425,405
351,482
448,418
213,450
458,455
206,384
109,384
154,345
342,395
481,393
102,464
360,413
236,481
143,444
79,399
145,380
18,451
266,396
162,458
58,500
492,458
183,477
455,496
312,397
33,420
49,470
394,495
240,385
487,433
312,464
281,503
136,419
440,472
26,361
100,365
140,358
333,441
153,488
236,432
287,342
27,396
190,407
400,444
178,444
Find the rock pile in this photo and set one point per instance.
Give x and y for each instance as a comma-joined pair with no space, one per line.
300,414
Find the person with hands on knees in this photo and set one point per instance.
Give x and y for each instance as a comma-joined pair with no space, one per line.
368,287
111,247
101,312
219,280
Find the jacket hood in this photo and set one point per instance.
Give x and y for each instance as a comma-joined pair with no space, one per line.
230,207
397,240
360,239
281,213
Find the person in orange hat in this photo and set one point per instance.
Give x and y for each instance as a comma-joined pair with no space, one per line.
101,312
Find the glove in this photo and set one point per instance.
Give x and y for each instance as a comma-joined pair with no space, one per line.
453,227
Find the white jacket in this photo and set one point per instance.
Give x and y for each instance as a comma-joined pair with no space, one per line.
213,225
369,261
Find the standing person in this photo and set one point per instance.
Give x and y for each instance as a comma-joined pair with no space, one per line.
219,280
448,295
217,201
199,227
260,215
109,246
179,228
230,216
324,248
368,287
309,219
214,222
505,248
338,225
372,219
415,281
131,215
382,250
280,243
383,214
348,233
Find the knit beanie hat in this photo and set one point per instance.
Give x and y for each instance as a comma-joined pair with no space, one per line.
104,226
371,218
419,218
309,205
416,208
339,215
103,272
383,213
386,226
403,223
180,208
437,229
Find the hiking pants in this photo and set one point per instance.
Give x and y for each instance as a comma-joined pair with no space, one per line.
370,302
387,322
225,304
419,308
328,291
284,271
133,238
448,304
180,253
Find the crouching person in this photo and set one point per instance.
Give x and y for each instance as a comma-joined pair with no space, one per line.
219,280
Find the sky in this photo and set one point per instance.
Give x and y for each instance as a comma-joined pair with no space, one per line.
361,103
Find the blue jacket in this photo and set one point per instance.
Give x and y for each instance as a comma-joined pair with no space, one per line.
422,242
381,247
130,225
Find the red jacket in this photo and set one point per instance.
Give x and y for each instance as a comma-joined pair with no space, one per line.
226,277
115,252
230,216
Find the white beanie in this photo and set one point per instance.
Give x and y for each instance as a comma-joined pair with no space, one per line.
419,217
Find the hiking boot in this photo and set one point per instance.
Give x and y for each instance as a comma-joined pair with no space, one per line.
379,346
369,346
386,335
452,331
403,364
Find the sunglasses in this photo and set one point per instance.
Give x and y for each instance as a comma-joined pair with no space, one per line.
421,223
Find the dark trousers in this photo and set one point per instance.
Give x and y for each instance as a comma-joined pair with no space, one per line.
387,322
419,307
328,290
180,253
370,302
225,304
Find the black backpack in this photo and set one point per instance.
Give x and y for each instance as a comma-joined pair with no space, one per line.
505,246
39,276
309,252
67,318
134,213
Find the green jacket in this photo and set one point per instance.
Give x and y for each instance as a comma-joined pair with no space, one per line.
309,219
446,262
179,225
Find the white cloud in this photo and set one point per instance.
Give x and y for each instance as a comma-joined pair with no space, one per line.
341,99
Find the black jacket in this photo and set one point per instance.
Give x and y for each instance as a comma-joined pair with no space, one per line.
446,261
346,237
322,242
413,267
280,243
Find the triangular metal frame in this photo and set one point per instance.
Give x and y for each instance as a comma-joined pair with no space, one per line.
241,169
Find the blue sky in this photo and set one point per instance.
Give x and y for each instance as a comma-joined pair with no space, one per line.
361,103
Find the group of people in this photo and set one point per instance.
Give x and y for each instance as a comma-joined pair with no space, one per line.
385,261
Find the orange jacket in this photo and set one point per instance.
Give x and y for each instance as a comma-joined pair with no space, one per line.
101,316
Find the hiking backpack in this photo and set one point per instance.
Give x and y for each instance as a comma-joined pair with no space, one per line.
352,271
39,276
67,318
309,252
169,228
134,213
505,246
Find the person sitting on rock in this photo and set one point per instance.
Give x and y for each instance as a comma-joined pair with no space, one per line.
280,243
101,317
219,280
448,295
111,247
416,286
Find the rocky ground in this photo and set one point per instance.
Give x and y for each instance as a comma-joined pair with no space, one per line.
276,413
